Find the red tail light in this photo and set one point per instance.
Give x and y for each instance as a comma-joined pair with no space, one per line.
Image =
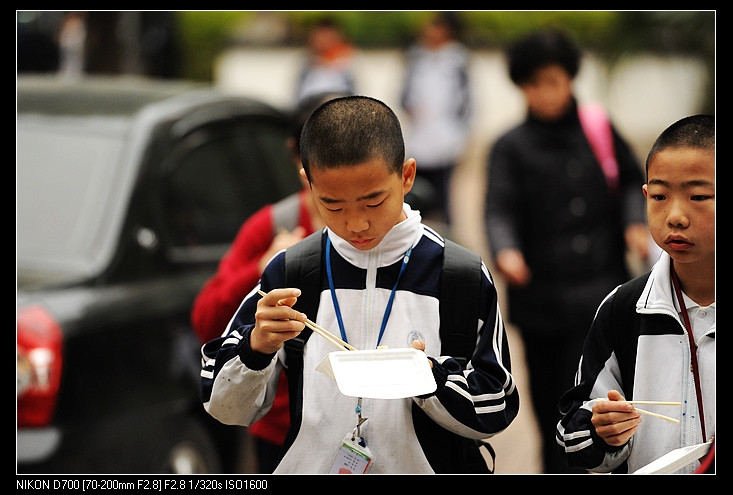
38,372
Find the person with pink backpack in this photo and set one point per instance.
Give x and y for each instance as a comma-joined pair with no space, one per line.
563,207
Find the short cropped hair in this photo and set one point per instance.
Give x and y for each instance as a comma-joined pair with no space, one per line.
695,131
349,131
305,108
540,49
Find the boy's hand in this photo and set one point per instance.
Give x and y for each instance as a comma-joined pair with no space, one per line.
615,420
276,321
511,265
420,346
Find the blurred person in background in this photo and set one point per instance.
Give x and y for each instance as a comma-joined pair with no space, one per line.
328,67
437,98
72,38
268,231
557,230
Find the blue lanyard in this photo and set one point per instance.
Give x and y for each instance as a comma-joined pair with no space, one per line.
387,311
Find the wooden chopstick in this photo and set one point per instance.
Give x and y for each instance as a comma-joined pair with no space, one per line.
344,346
657,403
662,416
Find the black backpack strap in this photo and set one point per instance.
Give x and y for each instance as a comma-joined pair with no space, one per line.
303,271
460,296
286,213
460,293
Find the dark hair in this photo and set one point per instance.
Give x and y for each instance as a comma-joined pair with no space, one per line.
695,131
540,49
326,22
450,20
349,131
305,108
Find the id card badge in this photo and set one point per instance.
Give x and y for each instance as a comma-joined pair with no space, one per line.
353,457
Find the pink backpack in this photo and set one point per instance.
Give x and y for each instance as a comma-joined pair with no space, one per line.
597,130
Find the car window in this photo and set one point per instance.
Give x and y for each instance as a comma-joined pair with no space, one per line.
218,176
69,177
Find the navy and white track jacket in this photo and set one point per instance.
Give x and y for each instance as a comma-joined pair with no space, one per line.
238,384
649,361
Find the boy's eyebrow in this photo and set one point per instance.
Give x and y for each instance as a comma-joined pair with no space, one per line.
366,197
698,182
689,183
372,195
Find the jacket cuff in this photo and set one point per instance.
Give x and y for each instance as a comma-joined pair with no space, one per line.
441,376
252,359
601,444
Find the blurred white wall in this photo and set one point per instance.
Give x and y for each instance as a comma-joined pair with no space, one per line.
643,94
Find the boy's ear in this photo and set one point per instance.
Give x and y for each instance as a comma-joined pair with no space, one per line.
409,170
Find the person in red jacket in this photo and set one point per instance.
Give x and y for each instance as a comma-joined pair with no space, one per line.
261,237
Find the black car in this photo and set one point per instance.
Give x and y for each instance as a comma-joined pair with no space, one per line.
129,191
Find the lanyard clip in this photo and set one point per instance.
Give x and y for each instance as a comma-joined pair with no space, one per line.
360,419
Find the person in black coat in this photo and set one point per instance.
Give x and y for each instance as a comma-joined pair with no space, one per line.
557,229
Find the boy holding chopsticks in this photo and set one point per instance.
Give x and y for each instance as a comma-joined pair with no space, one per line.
652,342
379,287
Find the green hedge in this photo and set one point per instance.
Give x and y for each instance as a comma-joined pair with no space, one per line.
204,34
